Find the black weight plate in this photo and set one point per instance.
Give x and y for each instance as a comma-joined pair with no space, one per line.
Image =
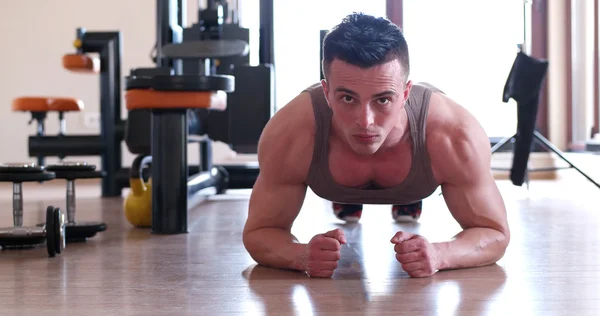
206,49
71,166
27,177
83,230
20,241
20,168
72,175
182,83
50,232
59,230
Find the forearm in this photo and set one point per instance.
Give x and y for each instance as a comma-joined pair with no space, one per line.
275,248
472,247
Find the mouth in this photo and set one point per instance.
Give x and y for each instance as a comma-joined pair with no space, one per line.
365,137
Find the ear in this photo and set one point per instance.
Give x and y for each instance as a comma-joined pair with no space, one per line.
407,89
325,89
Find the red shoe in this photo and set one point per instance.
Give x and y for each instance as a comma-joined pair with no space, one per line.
348,212
407,213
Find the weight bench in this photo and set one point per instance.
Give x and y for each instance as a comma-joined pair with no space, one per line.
39,106
169,98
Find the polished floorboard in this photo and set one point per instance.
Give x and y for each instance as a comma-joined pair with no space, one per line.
552,266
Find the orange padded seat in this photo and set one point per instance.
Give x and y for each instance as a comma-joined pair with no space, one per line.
81,63
152,99
46,104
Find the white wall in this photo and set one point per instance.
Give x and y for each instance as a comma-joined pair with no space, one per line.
36,34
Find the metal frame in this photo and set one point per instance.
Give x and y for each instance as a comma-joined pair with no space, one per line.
173,186
108,45
107,144
539,139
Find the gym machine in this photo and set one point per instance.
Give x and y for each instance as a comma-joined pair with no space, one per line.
523,85
107,144
201,90
249,107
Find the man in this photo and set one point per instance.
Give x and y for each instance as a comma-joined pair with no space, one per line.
367,135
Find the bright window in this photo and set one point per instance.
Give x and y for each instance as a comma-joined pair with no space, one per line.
467,48
297,36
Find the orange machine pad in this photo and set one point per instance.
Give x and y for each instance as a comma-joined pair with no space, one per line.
46,104
81,63
152,99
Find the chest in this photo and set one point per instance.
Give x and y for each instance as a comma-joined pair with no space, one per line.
374,172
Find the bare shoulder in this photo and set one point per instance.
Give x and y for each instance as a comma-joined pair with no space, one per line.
458,146
286,145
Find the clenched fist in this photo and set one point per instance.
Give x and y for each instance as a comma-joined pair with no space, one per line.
323,253
416,254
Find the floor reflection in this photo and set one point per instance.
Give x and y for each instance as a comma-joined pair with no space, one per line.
355,287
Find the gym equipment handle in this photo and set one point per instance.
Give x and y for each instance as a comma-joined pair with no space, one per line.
62,146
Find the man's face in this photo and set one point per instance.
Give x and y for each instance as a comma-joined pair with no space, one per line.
367,104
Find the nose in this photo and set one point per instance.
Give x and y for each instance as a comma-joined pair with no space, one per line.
365,116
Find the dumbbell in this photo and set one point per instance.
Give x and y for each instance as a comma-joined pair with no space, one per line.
70,171
53,231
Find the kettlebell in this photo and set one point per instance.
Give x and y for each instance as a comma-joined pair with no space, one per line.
138,203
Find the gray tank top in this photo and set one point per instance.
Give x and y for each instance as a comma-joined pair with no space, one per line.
419,183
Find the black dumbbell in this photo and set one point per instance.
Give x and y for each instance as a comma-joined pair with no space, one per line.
70,171
53,231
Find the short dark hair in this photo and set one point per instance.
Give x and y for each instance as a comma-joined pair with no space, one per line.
365,41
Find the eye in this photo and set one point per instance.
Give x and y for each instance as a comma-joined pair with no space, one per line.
347,99
383,101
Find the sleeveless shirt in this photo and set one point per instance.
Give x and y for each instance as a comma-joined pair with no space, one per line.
420,182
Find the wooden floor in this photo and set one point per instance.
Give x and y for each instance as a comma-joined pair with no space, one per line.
551,268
